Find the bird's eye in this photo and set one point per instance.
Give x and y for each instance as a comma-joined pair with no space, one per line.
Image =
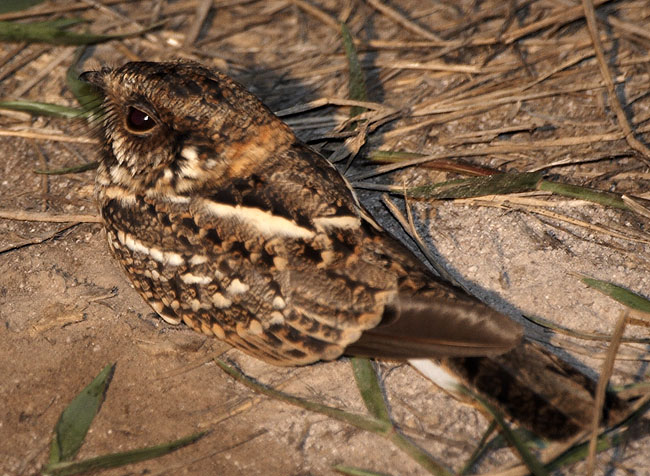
139,121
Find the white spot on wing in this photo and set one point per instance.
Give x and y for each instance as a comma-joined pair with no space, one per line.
276,318
167,197
344,222
266,223
118,193
173,259
157,255
190,278
165,257
237,287
220,301
135,245
278,303
198,259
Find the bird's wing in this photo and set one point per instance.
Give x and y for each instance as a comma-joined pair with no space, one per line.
429,317
345,284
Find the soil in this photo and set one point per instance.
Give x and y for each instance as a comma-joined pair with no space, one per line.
67,310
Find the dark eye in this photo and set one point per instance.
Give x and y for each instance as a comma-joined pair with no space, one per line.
139,121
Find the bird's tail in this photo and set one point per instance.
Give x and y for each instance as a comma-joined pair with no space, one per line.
537,389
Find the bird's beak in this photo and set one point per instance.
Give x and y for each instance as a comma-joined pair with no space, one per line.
96,78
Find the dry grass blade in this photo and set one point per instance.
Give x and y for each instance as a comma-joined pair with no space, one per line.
318,103
609,83
601,389
317,13
514,203
402,20
562,17
635,206
409,227
202,10
43,73
546,324
41,136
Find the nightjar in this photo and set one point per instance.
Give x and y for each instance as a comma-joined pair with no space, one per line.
224,220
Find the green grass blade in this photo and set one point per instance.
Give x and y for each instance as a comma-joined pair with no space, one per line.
115,460
533,464
589,194
42,109
357,81
417,454
498,184
480,450
75,420
374,425
620,294
54,33
368,384
17,5
579,452
87,95
360,421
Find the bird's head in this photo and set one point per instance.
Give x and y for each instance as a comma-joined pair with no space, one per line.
180,126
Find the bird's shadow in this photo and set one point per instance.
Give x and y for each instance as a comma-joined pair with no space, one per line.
270,85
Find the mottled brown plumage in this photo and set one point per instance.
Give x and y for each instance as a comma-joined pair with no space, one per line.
224,220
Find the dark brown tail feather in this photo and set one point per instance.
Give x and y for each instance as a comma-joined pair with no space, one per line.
543,393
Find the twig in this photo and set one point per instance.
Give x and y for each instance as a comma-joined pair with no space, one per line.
22,215
37,240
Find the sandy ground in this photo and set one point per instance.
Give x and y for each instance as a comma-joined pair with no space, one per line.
67,310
